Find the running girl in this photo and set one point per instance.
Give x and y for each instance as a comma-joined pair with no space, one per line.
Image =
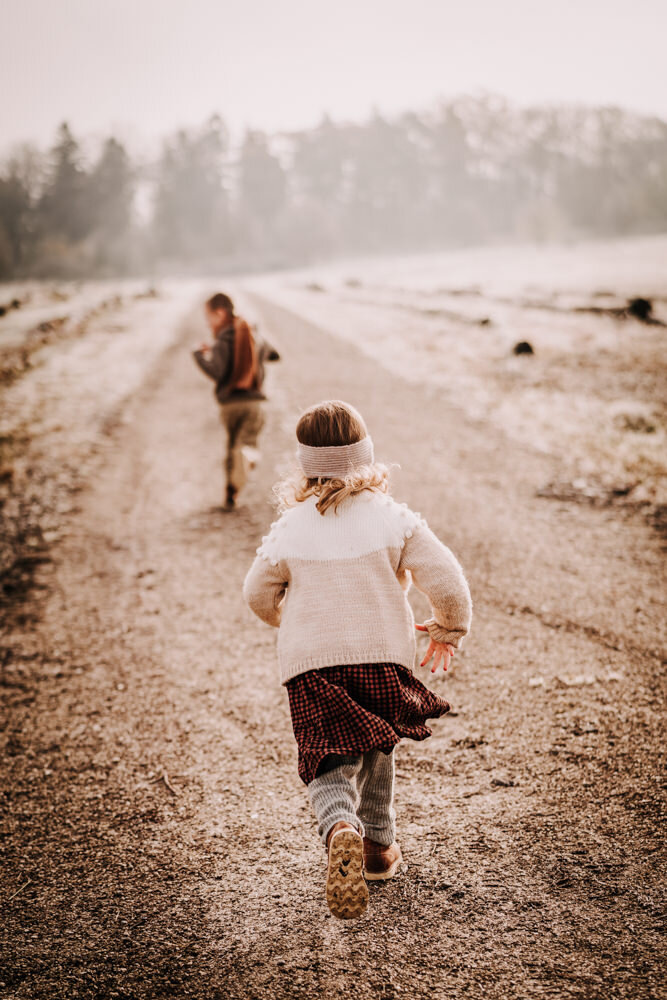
333,575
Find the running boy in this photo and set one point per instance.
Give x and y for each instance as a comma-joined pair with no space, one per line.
235,361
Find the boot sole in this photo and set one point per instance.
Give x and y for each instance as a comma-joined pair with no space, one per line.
347,893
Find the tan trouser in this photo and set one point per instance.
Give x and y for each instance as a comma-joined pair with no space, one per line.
243,420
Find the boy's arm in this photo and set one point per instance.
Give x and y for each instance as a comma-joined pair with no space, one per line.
437,573
264,590
214,362
269,352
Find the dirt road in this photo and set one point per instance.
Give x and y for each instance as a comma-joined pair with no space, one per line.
156,839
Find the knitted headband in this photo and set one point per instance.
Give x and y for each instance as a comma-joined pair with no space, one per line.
334,460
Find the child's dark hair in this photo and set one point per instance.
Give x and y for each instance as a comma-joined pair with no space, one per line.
220,301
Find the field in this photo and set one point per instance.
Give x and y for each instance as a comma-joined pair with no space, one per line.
592,394
156,840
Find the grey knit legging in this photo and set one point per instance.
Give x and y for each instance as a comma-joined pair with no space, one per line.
359,791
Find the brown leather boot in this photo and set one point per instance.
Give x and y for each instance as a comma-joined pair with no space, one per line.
347,895
230,498
381,862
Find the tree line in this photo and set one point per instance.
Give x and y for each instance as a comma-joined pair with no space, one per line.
469,172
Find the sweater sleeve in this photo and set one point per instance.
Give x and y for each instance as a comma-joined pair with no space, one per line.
204,362
217,362
264,589
437,574
268,352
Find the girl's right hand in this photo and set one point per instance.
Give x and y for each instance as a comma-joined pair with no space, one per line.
441,652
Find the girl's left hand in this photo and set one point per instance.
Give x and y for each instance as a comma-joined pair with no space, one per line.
441,652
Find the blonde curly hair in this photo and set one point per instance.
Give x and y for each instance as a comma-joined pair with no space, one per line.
329,424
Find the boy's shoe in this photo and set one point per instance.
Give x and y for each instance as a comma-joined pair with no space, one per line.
230,498
381,862
347,894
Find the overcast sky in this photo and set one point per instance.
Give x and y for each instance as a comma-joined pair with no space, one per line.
143,67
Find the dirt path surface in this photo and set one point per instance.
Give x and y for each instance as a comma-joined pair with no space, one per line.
156,839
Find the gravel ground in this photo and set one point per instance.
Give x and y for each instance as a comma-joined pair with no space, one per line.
70,358
156,839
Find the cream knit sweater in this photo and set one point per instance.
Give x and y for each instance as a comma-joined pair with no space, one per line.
336,584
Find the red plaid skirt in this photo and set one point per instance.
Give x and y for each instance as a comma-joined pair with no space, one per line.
347,710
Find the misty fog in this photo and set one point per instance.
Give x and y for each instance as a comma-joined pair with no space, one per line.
471,171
